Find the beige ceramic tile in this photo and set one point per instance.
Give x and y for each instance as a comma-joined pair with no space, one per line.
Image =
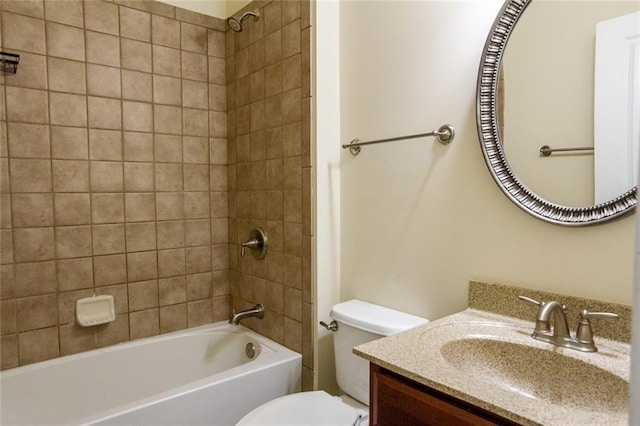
171,263
101,16
69,143
135,24
138,177
171,234
106,176
8,324
142,266
75,339
196,205
217,97
73,241
71,14
172,290
217,151
68,109
199,312
140,207
33,8
144,324
167,119
137,116
136,86
194,38
168,177
105,113
65,42
217,71
165,32
23,33
273,48
33,72
217,124
35,279
197,232
105,145
199,286
103,49
272,17
291,39
169,205
195,94
143,295
194,66
27,105
110,270
104,81
28,140
168,148
166,61
138,146
216,44
115,332
107,208
74,274
37,312
194,122
173,318
70,176
166,90
32,210
141,236
136,55
108,239
195,150
38,345
67,76
30,175
72,209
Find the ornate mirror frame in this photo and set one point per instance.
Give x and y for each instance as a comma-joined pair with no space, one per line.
491,139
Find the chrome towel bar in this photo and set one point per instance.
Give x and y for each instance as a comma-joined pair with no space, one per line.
444,134
546,150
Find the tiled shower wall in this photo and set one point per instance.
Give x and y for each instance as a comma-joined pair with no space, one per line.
270,174
113,173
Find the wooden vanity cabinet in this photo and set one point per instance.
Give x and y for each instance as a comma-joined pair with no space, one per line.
397,401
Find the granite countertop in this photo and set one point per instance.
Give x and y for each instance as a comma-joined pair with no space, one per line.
592,387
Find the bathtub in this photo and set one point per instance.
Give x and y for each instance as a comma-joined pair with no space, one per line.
197,376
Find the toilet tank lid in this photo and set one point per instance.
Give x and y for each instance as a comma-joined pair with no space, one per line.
374,318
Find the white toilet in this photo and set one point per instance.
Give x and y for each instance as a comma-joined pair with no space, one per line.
358,322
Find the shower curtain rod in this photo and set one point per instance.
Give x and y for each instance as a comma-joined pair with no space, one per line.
444,135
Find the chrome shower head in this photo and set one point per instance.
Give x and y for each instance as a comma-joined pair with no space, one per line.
236,24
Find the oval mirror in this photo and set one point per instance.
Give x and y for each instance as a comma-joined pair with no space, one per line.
558,118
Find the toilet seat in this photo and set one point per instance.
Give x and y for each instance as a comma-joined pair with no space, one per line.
316,408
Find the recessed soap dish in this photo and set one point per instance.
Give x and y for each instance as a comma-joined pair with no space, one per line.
95,310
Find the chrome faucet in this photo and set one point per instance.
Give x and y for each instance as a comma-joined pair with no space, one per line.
257,311
560,336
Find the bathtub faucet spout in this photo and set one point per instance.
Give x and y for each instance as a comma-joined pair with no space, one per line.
257,311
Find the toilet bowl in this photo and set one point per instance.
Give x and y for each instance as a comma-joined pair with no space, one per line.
358,322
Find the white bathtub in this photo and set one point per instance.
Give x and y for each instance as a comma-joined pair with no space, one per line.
195,376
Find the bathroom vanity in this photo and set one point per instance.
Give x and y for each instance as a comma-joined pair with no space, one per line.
397,400
482,366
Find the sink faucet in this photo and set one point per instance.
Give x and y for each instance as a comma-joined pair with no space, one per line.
257,311
560,336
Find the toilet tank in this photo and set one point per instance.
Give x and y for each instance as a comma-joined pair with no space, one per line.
361,322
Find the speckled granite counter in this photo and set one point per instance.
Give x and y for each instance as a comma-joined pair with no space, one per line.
464,355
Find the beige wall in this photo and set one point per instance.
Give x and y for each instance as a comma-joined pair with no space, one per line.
419,219
113,179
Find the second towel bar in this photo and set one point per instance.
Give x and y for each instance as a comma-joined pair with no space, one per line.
444,134
546,150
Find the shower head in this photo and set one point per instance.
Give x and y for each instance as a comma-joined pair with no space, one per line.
236,24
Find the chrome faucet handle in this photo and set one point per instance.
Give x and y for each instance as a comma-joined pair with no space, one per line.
584,333
607,316
530,301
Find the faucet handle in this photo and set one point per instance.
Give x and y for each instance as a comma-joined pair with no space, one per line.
607,316
530,301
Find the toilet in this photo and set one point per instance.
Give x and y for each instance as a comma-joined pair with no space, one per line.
358,322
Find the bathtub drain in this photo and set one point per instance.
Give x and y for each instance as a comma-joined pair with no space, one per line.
250,350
